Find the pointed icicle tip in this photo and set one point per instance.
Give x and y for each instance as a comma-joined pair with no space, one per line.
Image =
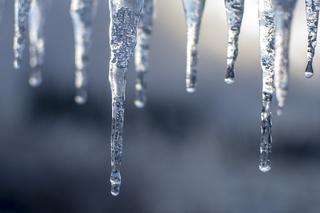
309,70
264,168
115,180
280,111
191,89
35,81
229,80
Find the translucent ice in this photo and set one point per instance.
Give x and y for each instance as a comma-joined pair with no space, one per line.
36,37
142,51
193,10
82,13
124,18
267,48
284,12
312,14
234,10
21,13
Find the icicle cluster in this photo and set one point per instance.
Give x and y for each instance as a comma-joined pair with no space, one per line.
131,26
82,13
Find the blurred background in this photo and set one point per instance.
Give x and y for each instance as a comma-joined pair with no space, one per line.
183,153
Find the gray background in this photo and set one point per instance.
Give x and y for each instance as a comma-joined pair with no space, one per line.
183,153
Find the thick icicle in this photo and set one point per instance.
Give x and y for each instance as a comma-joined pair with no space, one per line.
124,18
267,40
312,14
234,10
82,13
284,12
21,13
142,51
193,10
36,37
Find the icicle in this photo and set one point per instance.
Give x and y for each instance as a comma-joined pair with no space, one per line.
21,14
124,18
267,37
284,12
234,9
312,25
142,51
193,10
36,37
82,13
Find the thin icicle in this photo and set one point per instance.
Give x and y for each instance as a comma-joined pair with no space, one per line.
284,12
21,13
36,37
124,18
312,15
267,40
234,10
82,13
193,10
142,51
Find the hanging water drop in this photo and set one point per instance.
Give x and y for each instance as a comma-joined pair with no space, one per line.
36,37
142,51
234,11
21,13
284,13
193,10
124,18
82,13
312,14
267,48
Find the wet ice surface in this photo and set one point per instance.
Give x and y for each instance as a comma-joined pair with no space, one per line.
82,14
193,10
145,28
124,18
284,13
36,40
312,15
234,11
21,14
267,39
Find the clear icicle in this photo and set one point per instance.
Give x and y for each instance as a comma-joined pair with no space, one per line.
234,10
267,38
142,51
82,13
193,10
284,12
21,13
124,18
312,14
36,37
